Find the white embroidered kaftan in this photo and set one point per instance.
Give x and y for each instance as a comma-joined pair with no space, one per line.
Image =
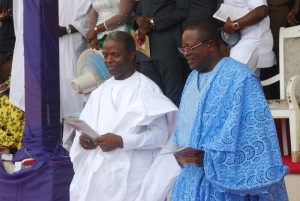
135,109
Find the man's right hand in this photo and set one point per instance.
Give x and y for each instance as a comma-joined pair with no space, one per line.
109,142
86,142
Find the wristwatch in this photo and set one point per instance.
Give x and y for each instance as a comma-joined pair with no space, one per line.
96,29
68,29
236,26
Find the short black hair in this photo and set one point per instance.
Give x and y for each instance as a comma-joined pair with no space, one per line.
126,38
206,30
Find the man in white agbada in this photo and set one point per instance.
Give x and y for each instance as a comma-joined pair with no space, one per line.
74,15
133,119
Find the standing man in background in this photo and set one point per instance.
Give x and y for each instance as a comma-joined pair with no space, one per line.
73,23
162,21
73,27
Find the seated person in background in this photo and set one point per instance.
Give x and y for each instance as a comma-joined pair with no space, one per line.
107,16
223,112
133,119
255,47
11,118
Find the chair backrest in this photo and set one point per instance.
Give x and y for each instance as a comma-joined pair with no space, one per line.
289,57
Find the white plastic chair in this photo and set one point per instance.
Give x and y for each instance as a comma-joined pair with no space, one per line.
289,76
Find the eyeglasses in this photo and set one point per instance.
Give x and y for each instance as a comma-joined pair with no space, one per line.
188,50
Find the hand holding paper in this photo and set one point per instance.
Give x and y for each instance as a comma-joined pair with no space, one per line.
82,127
187,155
183,151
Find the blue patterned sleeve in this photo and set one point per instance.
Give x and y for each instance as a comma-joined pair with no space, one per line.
242,152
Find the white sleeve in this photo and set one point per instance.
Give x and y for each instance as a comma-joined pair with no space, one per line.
252,4
155,135
82,16
160,178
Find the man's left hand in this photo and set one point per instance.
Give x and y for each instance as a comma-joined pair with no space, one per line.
228,28
109,142
86,142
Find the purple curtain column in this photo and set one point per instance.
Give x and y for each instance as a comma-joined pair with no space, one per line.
50,177
42,102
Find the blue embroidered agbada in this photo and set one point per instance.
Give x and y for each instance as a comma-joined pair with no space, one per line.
224,112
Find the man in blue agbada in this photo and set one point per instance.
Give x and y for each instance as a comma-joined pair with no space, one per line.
223,111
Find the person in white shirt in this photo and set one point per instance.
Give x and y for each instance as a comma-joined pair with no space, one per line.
73,20
256,44
134,120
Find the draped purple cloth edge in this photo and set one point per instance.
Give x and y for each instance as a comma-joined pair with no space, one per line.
50,177
42,138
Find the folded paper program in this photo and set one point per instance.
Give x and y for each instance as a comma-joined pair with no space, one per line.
81,126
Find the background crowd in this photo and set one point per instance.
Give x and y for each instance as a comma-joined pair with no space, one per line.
85,24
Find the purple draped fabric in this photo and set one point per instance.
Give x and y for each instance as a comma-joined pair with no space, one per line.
44,181
50,177
42,129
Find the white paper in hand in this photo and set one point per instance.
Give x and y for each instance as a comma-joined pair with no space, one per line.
181,151
82,127
227,10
